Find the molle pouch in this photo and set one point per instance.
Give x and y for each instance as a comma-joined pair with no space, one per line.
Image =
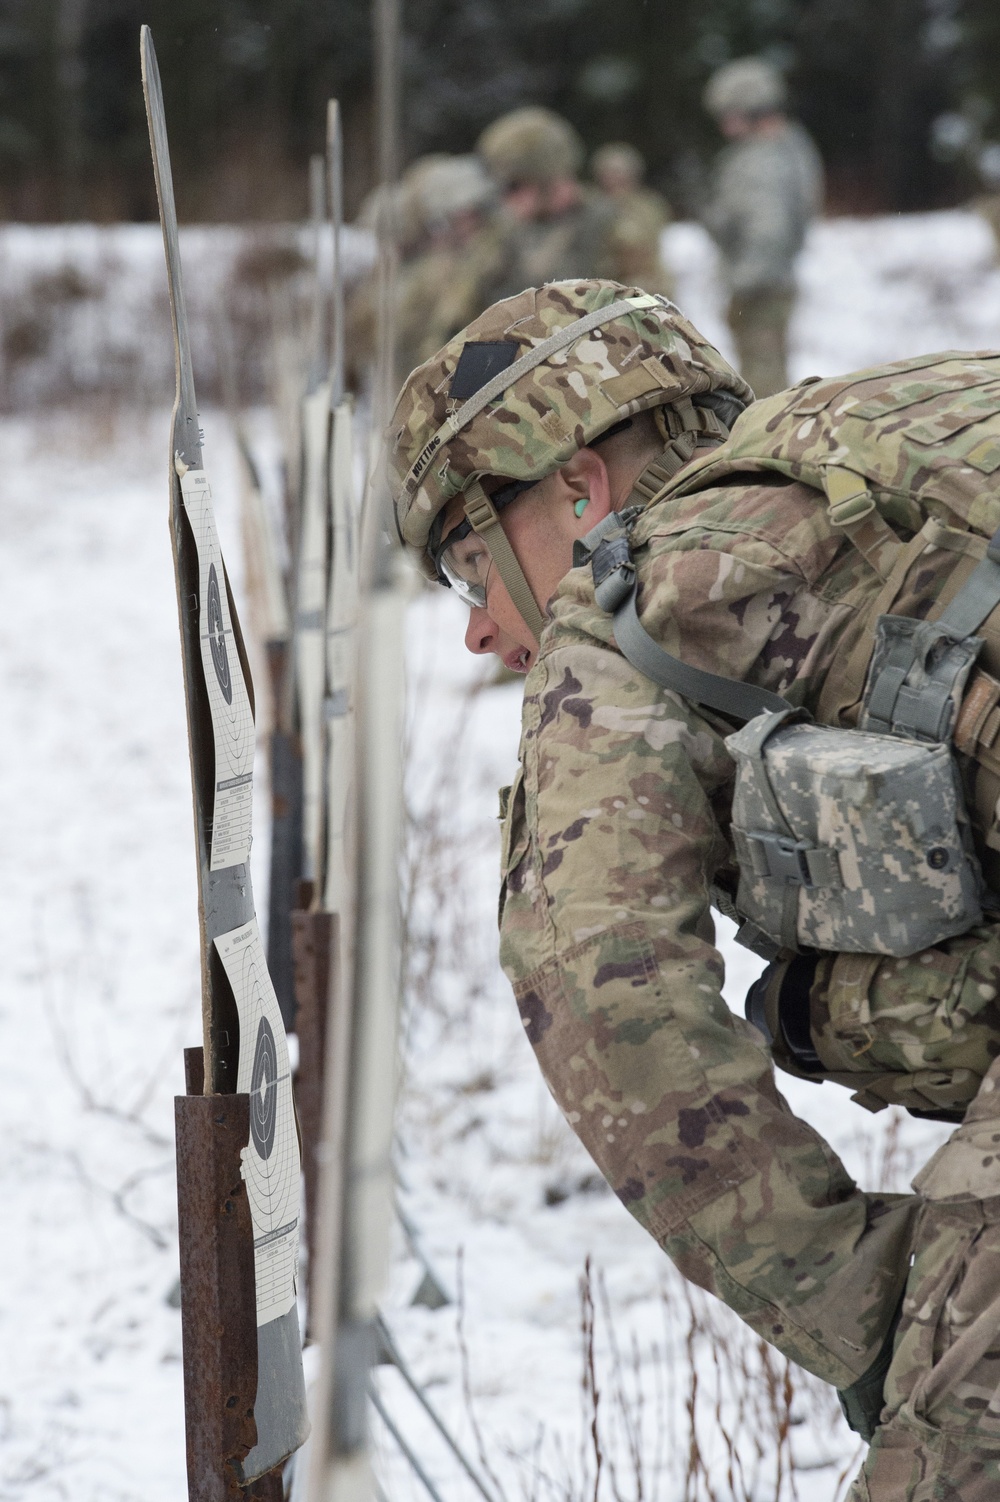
917,677
849,840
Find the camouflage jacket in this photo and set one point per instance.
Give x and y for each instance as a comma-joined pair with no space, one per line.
634,241
766,191
441,291
616,834
574,243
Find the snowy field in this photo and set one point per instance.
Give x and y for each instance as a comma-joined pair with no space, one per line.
98,934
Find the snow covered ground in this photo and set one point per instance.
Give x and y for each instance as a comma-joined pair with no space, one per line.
98,935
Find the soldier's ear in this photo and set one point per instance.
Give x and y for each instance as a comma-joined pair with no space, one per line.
584,478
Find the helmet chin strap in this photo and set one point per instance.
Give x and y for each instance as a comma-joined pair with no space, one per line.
484,519
684,425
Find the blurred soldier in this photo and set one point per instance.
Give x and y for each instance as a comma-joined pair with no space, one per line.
448,283
404,200
987,204
641,215
555,227
768,186
399,212
542,469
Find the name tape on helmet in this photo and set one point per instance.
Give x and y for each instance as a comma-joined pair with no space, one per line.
507,378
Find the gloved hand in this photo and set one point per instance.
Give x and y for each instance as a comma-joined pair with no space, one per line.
778,1001
863,1401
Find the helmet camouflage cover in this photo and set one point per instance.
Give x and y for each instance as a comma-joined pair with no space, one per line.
530,144
596,372
748,86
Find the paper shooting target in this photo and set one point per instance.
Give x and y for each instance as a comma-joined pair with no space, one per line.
271,1156
264,1090
228,696
217,636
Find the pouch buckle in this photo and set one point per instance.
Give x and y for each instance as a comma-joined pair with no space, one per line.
783,858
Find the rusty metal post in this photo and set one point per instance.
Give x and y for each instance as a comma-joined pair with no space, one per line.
218,1301
314,951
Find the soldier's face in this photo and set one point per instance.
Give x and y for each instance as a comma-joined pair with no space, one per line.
541,527
528,201
523,201
617,180
735,126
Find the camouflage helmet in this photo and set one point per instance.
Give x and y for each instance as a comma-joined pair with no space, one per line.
398,210
748,86
532,380
532,144
453,185
617,159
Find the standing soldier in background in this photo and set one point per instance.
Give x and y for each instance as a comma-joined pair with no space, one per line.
987,203
768,186
641,215
555,226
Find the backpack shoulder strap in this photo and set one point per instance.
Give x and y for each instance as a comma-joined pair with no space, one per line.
606,548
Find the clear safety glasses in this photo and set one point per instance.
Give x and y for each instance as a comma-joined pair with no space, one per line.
462,560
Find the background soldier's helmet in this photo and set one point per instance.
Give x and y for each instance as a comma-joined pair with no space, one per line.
748,86
399,210
530,145
453,185
618,159
594,373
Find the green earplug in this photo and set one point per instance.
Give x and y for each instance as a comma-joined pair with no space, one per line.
581,505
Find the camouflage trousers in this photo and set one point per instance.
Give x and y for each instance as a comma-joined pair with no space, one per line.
939,1439
759,326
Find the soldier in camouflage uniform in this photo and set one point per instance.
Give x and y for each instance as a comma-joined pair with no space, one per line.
987,202
641,216
397,211
987,205
451,251
448,284
764,557
768,186
554,226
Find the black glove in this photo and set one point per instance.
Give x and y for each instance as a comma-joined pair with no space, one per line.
794,979
755,1006
863,1401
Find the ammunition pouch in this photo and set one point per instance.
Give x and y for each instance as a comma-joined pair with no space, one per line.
850,841
917,677
847,840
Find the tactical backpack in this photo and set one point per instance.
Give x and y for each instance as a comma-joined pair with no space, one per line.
856,834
